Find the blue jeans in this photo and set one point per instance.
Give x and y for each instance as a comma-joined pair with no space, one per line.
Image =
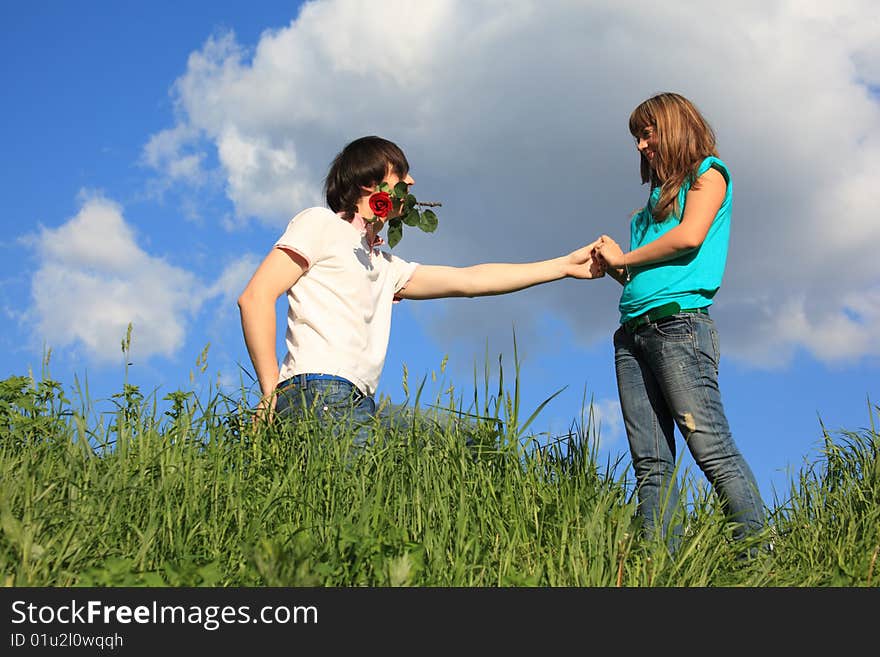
337,401
667,376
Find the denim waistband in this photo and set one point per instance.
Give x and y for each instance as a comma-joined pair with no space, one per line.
305,378
661,312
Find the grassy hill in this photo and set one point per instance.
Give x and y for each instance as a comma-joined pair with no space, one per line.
189,492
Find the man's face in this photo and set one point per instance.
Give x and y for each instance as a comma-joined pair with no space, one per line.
392,179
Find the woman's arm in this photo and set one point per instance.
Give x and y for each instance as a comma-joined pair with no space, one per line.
702,203
618,275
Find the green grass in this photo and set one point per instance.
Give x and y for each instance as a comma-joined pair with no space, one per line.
196,495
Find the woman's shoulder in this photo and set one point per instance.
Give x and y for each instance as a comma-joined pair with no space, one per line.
714,162
714,172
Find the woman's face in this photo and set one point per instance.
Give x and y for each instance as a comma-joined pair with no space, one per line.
646,143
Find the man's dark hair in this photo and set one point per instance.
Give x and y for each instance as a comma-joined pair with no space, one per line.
362,163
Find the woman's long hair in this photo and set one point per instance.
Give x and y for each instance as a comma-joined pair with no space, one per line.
684,140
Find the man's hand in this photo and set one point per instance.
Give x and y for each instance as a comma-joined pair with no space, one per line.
265,410
585,262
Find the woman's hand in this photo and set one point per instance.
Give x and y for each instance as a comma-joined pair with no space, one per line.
609,252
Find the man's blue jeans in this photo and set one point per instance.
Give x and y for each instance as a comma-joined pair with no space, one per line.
667,376
339,402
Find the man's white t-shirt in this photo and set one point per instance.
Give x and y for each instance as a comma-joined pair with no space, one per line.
339,315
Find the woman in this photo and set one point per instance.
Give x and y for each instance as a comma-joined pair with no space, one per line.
666,348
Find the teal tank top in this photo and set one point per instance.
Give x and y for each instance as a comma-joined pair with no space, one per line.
691,279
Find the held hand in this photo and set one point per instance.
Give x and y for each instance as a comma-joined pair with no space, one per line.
609,252
585,263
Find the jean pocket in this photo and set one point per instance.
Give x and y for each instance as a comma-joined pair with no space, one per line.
289,401
676,327
334,394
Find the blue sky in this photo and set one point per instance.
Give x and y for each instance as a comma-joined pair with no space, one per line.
153,152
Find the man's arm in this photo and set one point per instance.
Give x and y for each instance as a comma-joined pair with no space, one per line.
435,281
276,274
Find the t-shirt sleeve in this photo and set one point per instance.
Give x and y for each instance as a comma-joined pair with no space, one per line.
305,235
401,271
714,163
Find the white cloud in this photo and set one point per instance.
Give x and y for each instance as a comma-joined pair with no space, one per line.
233,279
94,278
263,180
514,116
608,422
599,424
838,332
167,151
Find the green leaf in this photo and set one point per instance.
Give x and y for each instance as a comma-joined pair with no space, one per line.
412,218
395,232
383,187
410,202
401,189
429,221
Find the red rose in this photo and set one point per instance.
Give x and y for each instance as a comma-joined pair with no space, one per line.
380,204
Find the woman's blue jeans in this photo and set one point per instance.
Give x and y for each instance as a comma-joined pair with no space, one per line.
667,376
